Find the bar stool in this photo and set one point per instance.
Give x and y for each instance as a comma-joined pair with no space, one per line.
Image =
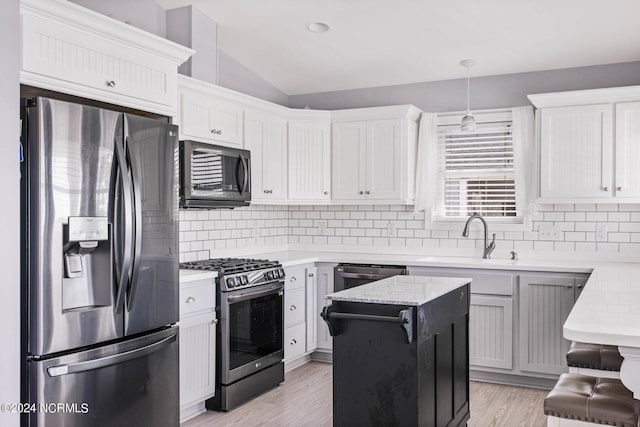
596,360
581,400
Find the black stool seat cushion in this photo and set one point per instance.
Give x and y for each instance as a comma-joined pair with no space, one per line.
591,399
594,356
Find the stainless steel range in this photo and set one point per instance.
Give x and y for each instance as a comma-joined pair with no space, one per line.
251,328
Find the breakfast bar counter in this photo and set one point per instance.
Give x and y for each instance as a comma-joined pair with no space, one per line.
401,352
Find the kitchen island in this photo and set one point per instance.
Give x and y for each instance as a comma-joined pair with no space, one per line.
401,352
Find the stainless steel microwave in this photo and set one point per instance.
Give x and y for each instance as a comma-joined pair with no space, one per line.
212,176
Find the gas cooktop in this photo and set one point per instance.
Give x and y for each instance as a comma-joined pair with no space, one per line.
235,273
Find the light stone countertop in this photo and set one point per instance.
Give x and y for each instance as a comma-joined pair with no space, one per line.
189,276
401,290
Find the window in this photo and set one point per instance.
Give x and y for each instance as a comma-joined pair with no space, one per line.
476,170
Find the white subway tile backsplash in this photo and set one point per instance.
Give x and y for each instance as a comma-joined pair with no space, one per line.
202,233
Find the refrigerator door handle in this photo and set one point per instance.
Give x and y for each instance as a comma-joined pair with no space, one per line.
137,215
127,201
56,371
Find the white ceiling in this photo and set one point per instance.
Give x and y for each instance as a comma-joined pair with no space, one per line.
388,42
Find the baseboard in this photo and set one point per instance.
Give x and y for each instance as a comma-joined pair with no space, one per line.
296,363
192,411
512,380
325,356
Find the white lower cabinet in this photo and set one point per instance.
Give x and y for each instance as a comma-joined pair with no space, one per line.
300,317
324,286
197,345
491,331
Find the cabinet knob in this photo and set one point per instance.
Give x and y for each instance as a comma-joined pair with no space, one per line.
190,300
293,341
292,279
216,132
214,321
619,188
326,193
310,274
367,192
360,192
293,307
111,83
605,188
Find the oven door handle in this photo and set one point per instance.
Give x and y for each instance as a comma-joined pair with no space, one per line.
265,292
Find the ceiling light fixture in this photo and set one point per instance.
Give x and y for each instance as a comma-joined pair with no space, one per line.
317,27
468,123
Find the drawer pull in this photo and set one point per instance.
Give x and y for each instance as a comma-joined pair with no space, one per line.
111,83
190,300
293,307
214,322
216,131
293,341
293,279
310,274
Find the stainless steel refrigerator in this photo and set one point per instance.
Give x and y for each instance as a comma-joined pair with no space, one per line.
100,267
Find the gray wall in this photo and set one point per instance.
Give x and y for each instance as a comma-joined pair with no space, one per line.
145,14
10,212
486,92
234,75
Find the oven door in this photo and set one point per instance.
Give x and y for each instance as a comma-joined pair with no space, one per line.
251,330
214,176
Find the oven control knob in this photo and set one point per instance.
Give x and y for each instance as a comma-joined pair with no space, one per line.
245,280
231,282
270,275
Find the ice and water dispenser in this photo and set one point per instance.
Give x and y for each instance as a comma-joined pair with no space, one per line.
87,280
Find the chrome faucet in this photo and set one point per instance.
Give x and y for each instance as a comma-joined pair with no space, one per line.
488,247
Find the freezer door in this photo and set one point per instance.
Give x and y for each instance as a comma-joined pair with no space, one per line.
133,383
152,298
70,202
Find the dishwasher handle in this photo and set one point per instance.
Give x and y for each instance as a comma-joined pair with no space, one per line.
404,319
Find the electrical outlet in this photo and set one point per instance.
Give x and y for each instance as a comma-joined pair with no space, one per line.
322,227
391,229
549,232
601,232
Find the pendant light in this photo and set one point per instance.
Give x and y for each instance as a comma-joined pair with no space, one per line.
468,123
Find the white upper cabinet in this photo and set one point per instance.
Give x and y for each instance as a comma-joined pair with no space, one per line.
627,150
74,50
207,119
349,148
373,161
309,161
266,137
576,149
589,144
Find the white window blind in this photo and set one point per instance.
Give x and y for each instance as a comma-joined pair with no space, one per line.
476,171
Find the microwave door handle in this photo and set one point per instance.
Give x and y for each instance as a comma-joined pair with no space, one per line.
245,166
238,179
127,216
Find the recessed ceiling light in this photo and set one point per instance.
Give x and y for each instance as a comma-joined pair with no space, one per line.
317,27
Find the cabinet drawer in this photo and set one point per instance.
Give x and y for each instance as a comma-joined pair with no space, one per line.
294,278
294,341
197,298
294,306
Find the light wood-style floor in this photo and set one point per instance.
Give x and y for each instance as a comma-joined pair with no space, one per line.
304,399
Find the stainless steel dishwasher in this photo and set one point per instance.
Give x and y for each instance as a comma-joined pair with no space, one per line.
351,275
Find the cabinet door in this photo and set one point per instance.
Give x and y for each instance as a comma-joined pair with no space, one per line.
195,117
197,358
312,309
576,152
255,125
545,303
274,159
491,332
324,285
348,160
309,161
384,152
627,150
294,342
226,124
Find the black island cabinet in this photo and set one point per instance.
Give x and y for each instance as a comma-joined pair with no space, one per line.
401,352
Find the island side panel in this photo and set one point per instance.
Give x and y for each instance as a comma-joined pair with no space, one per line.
443,352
